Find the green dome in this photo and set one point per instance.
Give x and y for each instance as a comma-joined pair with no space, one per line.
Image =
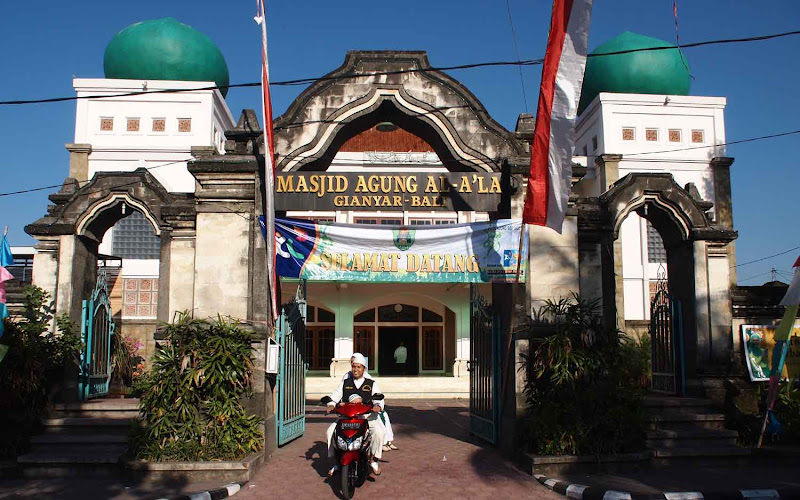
165,49
645,72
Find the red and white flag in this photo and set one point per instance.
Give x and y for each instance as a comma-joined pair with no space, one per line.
269,167
550,177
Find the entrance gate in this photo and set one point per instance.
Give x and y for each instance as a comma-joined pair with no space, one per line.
484,368
97,330
291,337
666,333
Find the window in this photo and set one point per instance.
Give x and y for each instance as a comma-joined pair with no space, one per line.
594,143
367,316
697,137
382,221
651,135
628,134
319,347
585,151
429,316
106,124
364,342
133,125
432,358
134,238
674,135
159,124
184,124
431,222
140,297
325,316
656,253
402,313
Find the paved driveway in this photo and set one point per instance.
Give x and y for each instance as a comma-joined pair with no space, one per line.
436,459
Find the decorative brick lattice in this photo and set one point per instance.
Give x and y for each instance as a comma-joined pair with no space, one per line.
674,135
697,136
106,124
133,125
140,297
651,135
628,134
185,125
159,124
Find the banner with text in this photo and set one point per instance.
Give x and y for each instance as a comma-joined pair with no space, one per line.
449,191
478,252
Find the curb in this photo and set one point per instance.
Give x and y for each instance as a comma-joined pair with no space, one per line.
583,492
224,492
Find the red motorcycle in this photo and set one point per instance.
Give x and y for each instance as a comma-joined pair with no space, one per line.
351,442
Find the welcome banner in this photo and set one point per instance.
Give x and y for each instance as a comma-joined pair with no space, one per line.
478,252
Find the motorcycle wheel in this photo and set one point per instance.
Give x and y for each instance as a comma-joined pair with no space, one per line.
348,482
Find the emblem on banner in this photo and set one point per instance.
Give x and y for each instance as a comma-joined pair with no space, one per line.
404,238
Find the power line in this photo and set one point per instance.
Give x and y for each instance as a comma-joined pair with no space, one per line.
516,50
756,276
767,257
729,143
307,81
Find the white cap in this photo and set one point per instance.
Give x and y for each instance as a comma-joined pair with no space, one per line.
360,359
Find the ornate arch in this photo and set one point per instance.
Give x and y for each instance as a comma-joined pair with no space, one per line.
427,103
90,210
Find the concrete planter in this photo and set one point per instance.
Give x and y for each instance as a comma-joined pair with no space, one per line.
232,471
553,465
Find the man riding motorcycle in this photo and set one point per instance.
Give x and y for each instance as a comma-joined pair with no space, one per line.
358,388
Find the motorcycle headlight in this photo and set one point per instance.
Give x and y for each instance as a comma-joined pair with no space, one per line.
341,443
356,443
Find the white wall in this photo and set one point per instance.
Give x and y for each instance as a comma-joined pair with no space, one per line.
121,150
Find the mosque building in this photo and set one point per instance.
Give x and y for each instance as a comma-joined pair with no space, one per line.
175,187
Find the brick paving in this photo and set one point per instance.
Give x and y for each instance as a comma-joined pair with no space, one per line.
426,432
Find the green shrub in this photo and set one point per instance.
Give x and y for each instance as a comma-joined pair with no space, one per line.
787,411
191,402
32,368
585,383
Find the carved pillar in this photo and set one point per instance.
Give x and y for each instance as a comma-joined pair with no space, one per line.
723,206
607,170
79,161
45,268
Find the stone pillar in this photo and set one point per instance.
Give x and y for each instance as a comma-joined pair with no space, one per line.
607,170
180,292
163,276
79,161
723,206
701,319
45,268
77,274
221,282
719,303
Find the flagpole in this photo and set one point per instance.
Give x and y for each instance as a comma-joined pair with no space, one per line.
519,250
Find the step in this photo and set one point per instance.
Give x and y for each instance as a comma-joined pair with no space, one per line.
675,402
689,438
728,451
101,404
111,456
79,439
85,425
685,421
106,414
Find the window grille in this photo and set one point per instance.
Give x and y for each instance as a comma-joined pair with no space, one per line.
656,252
134,238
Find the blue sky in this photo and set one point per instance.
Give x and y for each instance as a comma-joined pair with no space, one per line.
44,44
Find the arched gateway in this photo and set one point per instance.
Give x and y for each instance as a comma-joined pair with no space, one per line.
386,141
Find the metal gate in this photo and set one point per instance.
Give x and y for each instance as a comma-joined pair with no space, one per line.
666,334
484,369
291,336
97,330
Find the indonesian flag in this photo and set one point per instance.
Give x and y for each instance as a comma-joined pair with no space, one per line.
269,167
550,177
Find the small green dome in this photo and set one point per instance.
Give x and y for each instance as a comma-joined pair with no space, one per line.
165,49
644,72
